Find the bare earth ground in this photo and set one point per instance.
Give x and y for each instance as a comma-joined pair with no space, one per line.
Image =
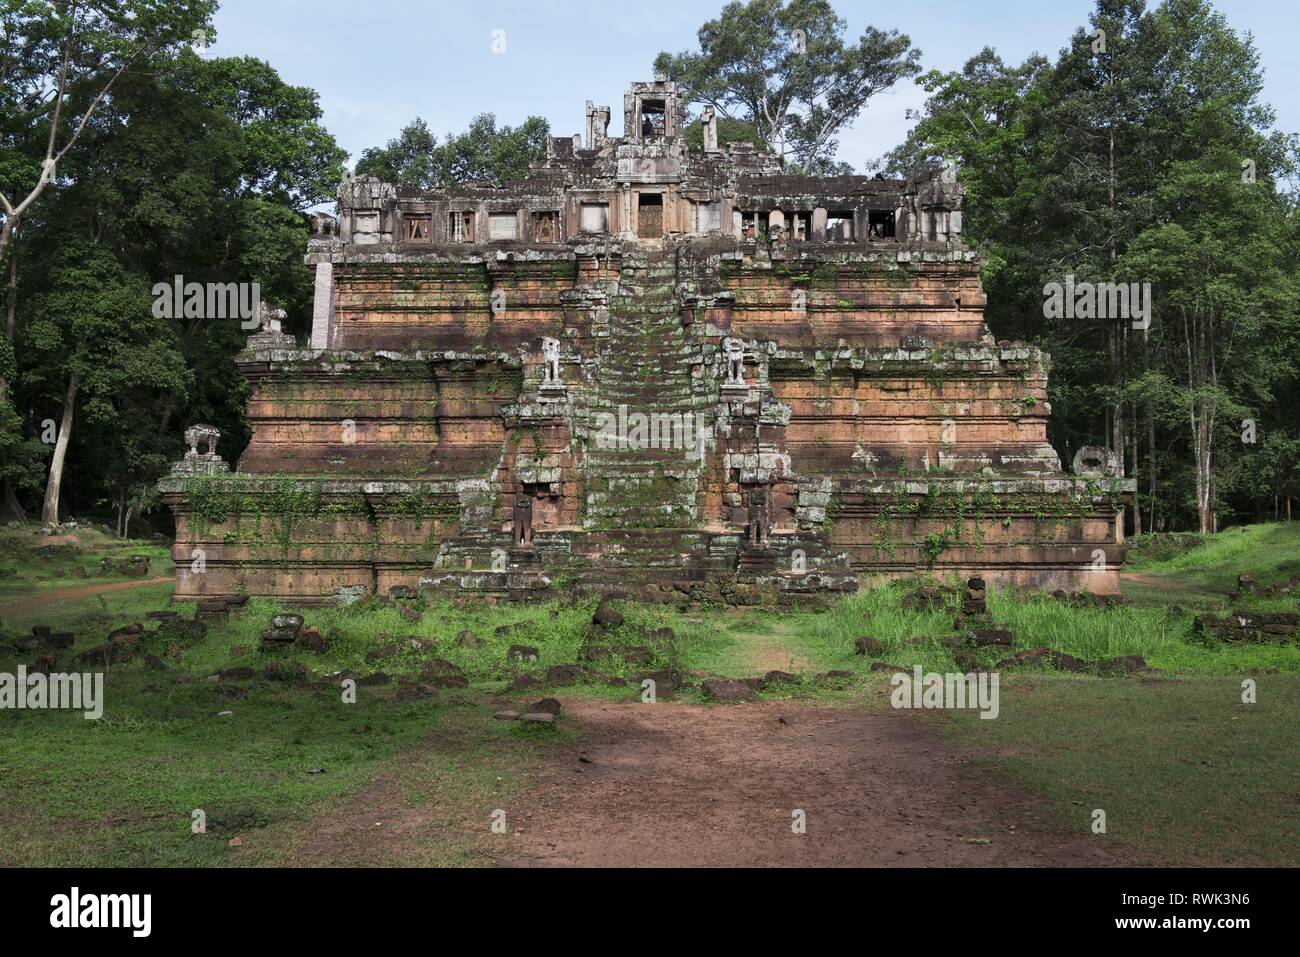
41,599
380,824
685,785
670,786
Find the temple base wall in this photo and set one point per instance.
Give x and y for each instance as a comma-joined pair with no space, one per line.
313,541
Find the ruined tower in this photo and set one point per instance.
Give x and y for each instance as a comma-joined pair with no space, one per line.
645,368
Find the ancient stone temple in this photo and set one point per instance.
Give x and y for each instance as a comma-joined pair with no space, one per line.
651,369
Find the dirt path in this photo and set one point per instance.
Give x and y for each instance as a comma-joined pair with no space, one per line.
685,785
380,826
671,785
771,655
41,599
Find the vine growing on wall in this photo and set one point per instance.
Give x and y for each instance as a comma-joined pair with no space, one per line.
262,513
978,503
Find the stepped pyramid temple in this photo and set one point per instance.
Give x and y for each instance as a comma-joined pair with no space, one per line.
649,369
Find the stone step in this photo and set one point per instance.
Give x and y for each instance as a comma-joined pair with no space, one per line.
622,351
663,341
603,474
631,349
680,468
647,401
621,361
677,398
625,361
645,365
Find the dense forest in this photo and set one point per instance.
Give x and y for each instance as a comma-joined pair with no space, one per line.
1141,153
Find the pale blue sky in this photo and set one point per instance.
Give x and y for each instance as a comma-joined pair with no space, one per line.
379,64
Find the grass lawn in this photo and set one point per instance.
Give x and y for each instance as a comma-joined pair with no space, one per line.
121,791
1187,774
31,562
1200,572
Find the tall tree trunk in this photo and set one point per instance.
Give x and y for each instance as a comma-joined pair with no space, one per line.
50,511
1119,341
11,300
1201,457
1196,408
1120,443
1205,425
1116,440
11,509
1204,496
1151,441
1133,443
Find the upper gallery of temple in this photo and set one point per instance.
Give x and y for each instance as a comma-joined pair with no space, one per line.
647,185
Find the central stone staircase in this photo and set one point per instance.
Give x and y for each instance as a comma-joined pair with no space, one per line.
645,367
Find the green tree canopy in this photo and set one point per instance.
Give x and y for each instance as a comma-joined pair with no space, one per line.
1143,153
729,131
483,153
787,70
198,168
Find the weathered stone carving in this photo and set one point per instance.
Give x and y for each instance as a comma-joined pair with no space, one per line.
597,126
756,529
709,122
523,521
551,356
367,207
734,350
201,433
323,226
270,334
207,462
932,206
1094,460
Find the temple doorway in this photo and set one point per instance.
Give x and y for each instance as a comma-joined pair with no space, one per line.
650,216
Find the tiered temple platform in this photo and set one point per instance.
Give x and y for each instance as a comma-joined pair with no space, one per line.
649,370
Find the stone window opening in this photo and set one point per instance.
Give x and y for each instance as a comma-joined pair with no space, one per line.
546,226
654,120
751,225
503,226
460,227
880,224
594,218
708,217
800,228
839,226
419,228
